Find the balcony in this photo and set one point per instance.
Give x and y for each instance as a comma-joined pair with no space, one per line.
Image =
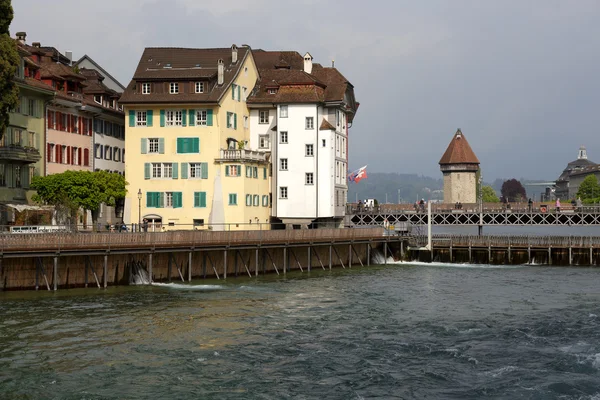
244,155
13,152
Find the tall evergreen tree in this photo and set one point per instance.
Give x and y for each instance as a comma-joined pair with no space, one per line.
9,62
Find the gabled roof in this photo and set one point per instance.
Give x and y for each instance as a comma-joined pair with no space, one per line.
326,126
167,64
99,68
459,151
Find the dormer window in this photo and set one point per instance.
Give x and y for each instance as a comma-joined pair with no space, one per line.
98,99
272,91
174,88
145,88
199,87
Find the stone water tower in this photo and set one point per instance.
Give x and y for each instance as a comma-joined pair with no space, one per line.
459,164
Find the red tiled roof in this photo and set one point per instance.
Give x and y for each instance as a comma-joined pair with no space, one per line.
459,151
326,126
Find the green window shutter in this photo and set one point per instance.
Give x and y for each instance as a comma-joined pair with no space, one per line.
175,170
248,200
196,145
192,117
179,145
234,121
150,199
204,167
240,170
160,199
131,118
264,173
233,91
144,145
147,170
255,172
202,199
228,118
183,117
184,170
177,200
161,145
209,117
149,118
162,118
227,170
196,199
238,94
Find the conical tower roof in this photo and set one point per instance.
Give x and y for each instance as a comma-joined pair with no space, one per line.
459,151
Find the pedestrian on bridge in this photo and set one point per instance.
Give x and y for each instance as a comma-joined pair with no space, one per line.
557,205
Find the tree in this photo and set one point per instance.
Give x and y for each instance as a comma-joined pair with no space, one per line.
73,190
9,62
512,190
589,190
489,195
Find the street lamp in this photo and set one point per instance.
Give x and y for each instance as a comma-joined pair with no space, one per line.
139,209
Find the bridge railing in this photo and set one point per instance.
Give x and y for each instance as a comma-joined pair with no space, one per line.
519,207
446,240
176,239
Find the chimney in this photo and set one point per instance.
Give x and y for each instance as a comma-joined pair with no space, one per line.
220,72
36,44
308,63
69,55
21,36
234,54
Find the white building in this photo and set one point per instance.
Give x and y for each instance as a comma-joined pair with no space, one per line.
301,112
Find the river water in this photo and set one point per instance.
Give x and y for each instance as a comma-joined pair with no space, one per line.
424,331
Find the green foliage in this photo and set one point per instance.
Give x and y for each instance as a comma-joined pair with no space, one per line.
9,62
512,190
589,190
79,189
489,195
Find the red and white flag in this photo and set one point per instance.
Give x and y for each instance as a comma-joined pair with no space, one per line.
358,175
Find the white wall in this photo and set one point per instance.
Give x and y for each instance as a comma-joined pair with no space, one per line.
103,140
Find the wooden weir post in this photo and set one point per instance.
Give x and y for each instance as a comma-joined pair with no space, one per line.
470,258
385,253
509,251
450,249
349,256
309,259
330,255
225,264
570,251
55,273
339,258
150,268
256,263
285,260
190,266
591,252
105,277
369,253
489,249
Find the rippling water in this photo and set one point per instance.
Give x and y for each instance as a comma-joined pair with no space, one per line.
401,331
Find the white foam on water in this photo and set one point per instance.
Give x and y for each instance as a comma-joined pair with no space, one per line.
500,371
456,265
188,287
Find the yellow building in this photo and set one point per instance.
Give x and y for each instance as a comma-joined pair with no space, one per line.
187,160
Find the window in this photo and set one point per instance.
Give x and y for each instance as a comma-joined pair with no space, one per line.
2,175
141,118
116,154
107,152
246,121
32,107
337,117
245,92
174,118
98,98
75,124
199,87
283,164
232,170
167,170
231,120
248,171
272,91
195,170
174,88
248,200
75,155
17,175
63,154
169,199
263,141
32,140
256,200
265,201
52,152
283,111
188,145
145,88
309,150
283,137
17,138
255,172
310,123
263,117
200,200
156,170
233,199
264,173
153,145
199,222
201,117
309,178
283,192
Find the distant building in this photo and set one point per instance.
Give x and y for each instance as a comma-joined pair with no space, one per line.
459,164
565,189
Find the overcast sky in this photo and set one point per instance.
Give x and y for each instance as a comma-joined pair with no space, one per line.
519,77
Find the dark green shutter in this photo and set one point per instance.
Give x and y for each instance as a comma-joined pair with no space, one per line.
228,119
179,145
147,170
184,170
149,118
196,199
238,93
209,117
150,199
264,173
192,119
144,146
162,118
202,199
177,200
161,145
160,199
183,117
227,170
131,118
196,145
175,170
233,91
234,121
204,167
240,169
